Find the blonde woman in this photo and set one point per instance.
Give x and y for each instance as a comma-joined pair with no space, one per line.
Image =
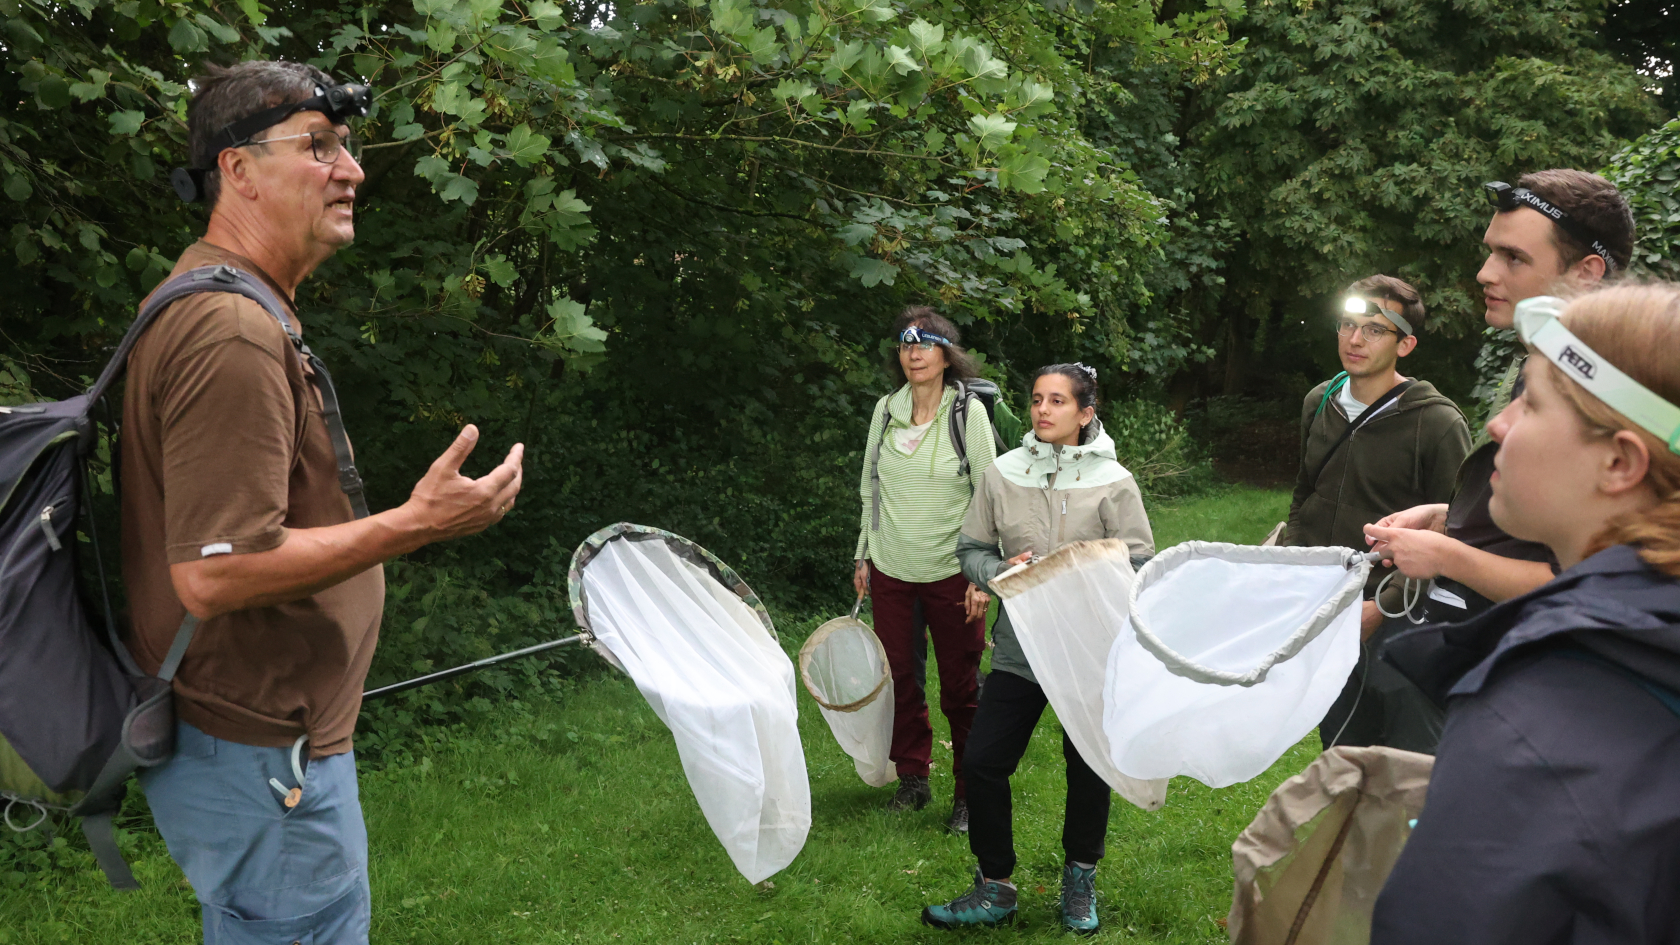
1554,808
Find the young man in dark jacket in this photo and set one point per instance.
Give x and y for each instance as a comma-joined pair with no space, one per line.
1375,442
1558,231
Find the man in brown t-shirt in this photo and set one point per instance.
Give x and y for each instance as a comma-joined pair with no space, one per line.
233,512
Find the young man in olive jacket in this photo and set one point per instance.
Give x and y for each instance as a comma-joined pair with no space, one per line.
1375,442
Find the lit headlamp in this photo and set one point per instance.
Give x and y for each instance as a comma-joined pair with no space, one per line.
1502,197
1538,324
340,102
1354,305
921,336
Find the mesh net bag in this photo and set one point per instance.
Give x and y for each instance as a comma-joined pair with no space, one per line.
1062,610
844,668
1228,655
702,650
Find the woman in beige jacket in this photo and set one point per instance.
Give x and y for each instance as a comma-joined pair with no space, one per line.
1062,485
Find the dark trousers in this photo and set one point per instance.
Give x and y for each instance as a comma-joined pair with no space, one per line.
1009,711
1379,706
957,645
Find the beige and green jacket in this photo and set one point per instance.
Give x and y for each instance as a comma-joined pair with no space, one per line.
923,498
1038,498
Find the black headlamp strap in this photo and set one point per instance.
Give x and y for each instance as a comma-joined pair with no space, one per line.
1509,198
339,102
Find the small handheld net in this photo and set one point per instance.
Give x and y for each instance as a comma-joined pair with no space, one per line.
1061,608
1229,655
702,650
844,668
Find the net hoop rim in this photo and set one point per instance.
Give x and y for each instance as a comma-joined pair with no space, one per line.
1352,588
816,639
630,531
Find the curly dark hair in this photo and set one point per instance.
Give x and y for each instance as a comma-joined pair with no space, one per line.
959,364
1083,377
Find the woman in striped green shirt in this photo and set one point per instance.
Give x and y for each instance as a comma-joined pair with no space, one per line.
915,493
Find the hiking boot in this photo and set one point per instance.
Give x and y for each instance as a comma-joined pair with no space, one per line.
1079,899
987,904
959,817
913,794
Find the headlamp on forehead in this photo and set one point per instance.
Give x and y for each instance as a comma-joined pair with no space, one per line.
921,336
1538,324
1354,305
1502,197
340,102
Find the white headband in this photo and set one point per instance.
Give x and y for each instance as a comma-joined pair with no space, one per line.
1538,324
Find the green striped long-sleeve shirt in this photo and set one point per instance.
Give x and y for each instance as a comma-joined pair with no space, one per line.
923,499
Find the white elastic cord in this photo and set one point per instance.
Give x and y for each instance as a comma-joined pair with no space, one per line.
1538,324
291,796
1411,595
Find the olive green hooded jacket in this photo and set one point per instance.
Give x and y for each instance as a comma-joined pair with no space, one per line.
1406,455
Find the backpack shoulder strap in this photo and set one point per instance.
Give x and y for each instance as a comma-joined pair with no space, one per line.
229,279
959,427
1353,427
875,464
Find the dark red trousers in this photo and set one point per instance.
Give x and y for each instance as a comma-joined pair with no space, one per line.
957,645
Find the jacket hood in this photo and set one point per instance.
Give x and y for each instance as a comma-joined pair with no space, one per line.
1613,604
1421,394
1091,463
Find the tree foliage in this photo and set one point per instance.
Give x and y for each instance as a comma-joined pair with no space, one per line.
1355,139
659,241
1648,171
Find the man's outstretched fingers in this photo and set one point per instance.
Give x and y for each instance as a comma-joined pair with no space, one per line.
449,462
512,470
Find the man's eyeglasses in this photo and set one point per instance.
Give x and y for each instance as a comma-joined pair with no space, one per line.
1371,331
326,145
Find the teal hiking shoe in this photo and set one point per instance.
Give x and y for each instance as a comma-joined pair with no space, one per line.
1079,899
987,904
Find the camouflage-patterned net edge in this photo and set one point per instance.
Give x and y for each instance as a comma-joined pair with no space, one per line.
684,548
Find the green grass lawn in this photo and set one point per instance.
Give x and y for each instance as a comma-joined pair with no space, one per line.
571,821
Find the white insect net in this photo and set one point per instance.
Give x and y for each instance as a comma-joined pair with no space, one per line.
1227,656
1211,661
1063,610
845,670
712,670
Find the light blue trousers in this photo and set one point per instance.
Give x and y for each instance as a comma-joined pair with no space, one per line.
263,872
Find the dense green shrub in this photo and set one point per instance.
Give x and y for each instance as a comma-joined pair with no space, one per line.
1157,448
1648,172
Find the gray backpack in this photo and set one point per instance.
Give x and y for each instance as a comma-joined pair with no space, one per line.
77,716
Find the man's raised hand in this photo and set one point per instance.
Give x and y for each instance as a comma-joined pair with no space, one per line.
450,505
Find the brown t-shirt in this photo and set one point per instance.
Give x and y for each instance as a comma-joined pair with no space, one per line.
223,450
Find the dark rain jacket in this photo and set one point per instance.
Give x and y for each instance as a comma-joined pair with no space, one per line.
1553,813
1407,455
